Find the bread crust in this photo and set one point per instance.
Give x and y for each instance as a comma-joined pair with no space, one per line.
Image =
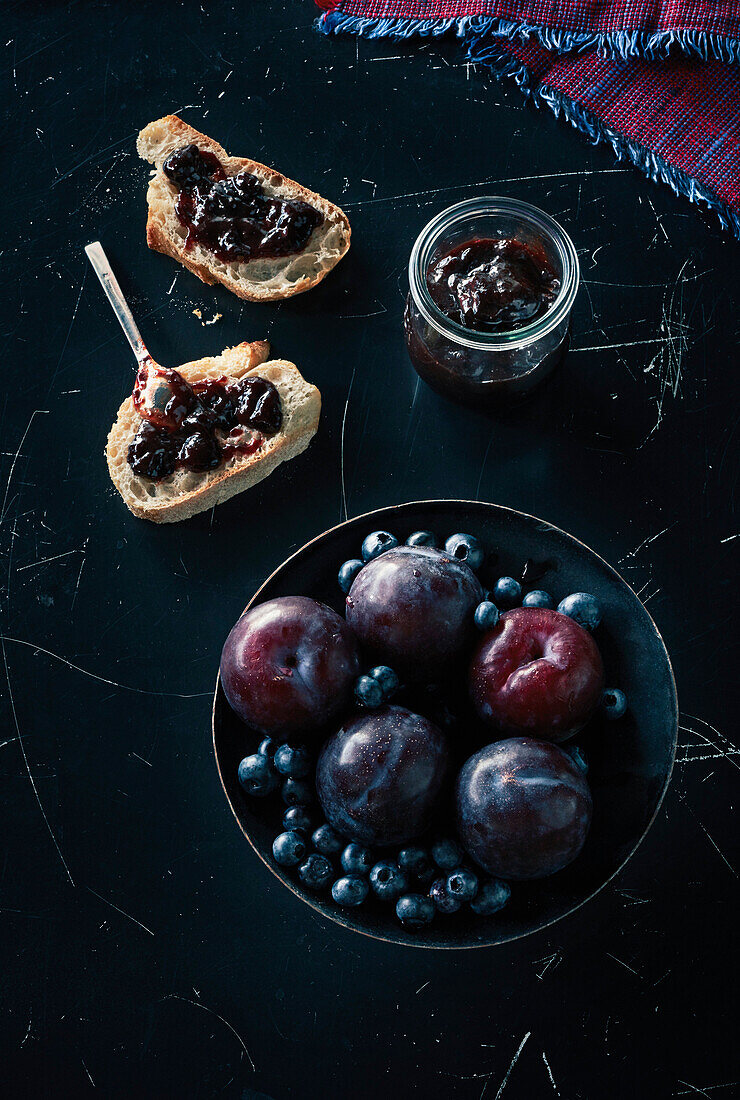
301,409
326,247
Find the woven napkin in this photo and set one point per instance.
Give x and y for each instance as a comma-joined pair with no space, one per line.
659,80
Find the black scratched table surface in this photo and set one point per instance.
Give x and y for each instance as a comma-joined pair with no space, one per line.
145,950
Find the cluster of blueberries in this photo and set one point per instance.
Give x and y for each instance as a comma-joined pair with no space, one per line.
439,871
379,685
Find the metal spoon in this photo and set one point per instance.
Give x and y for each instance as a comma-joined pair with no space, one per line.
153,388
114,294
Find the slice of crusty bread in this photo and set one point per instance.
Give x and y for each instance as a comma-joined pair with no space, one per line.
184,492
255,280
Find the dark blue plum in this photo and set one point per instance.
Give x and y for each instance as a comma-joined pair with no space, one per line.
356,860
293,761
388,881
347,573
415,910
298,817
327,840
523,808
387,679
350,890
421,538
462,884
507,592
613,703
257,775
377,543
583,607
443,900
412,608
368,693
466,548
538,598
492,896
298,792
316,873
447,854
289,848
487,615
378,777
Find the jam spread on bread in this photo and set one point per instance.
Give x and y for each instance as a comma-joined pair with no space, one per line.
493,285
196,427
230,215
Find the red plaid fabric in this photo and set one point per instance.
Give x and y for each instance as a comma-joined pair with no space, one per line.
658,79
720,17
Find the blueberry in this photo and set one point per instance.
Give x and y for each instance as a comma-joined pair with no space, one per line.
583,607
487,615
350,890
348,572
462,884
578,757
415,910
289,848
538,598
368,692
293,761
257,775
356,860
327,841
507,592
377,543
442,898
316,873
466,548
388,880
491,897
414,861
298,817
297,792
387,679
446,854
421,538
267,747
613,703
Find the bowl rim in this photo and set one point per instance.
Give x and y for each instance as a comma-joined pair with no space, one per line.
417,941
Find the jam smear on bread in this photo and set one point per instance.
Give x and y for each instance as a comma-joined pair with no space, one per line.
198,427
231,216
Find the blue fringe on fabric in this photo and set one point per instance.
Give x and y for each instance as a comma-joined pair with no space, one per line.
335,22
618,44
653,166
480,34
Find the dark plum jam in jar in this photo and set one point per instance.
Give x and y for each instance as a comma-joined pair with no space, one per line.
197,427
231,216
491,288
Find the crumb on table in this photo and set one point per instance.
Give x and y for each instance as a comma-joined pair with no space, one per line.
199,314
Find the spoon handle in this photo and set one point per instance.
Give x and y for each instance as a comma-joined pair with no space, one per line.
114,294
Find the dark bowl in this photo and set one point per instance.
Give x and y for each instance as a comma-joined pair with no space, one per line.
630,760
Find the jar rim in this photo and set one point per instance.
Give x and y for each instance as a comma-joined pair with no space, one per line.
546,227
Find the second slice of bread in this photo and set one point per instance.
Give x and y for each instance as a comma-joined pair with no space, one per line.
185,492
259,279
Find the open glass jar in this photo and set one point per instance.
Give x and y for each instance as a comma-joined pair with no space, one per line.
489,367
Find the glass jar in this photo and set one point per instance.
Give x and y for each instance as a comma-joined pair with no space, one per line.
473,366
